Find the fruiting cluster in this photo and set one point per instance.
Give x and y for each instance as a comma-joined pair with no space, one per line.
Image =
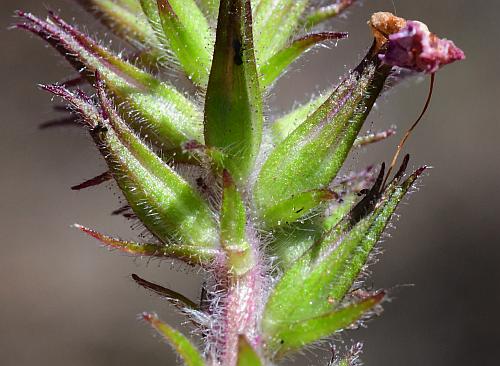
257,203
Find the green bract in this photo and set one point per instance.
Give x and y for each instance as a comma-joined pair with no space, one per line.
311,156
233,106
257,203
189,354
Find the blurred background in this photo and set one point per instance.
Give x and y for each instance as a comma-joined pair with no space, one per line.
67,301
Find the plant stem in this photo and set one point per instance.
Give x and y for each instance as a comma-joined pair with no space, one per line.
242,307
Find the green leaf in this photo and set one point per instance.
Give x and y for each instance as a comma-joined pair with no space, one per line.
233,221
189,36
157,109
168,206
189,253
274,67
299,334
275,22
189,353
311,156
330,268
284,126
325,13
246,354
233,106
296,207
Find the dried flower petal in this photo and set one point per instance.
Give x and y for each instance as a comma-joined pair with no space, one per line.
415,47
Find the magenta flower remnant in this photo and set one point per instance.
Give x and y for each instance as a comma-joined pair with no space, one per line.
414,47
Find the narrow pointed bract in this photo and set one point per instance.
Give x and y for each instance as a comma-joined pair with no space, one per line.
174,297
272,68
299,334
311,156
273,15
187,32
190,355
101,178
330,267
188,253
285,125
162,199
166,115
326,12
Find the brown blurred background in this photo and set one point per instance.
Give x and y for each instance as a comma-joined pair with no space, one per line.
66,301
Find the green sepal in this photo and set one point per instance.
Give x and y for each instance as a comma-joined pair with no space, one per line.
270,71
328,270
246,354
189,36
233,221
191,254
158,110
311,156
325,13
233,106
351,256
274,24
183,346
294,208
284,126
296,335
168,206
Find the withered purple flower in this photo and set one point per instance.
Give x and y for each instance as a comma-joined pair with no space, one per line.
415,47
